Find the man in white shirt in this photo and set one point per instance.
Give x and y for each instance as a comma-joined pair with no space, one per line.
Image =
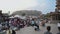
37,24
32,22
58,26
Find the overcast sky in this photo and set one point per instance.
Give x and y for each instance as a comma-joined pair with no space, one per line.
13,5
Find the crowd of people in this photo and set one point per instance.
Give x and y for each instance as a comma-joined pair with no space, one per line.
21,23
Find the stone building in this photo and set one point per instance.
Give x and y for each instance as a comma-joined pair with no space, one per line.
58,5
55,16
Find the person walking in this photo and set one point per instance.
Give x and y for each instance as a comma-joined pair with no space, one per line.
37,24
43,23
58,27
32,22
48,30
8,31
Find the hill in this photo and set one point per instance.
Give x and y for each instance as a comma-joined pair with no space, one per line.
27,12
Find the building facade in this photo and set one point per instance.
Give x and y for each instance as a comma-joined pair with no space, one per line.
55,16
58,5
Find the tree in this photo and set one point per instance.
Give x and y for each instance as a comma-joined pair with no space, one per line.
23,14
47,15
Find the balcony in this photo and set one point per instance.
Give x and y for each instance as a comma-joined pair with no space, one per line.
57,5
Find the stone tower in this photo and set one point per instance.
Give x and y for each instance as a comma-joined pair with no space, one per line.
55,16
58,5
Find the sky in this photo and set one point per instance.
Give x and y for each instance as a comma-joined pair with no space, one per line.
45,6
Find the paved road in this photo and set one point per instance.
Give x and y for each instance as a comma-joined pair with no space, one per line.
30,30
